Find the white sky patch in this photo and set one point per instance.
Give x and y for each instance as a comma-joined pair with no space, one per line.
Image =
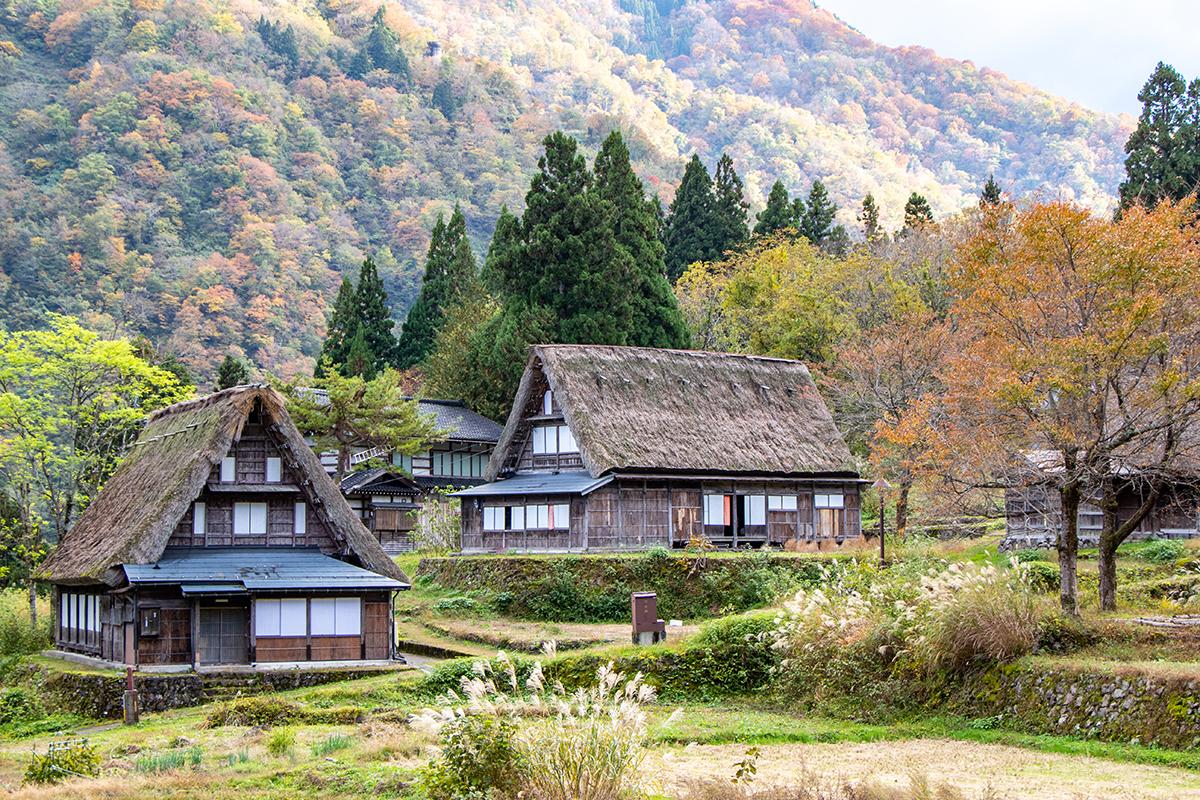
1095,52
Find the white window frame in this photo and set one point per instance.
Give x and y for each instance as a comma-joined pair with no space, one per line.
228,469
782,502
300,518
560,517
566,440
274,469
246,517
714,509
754,509
199,518
516,518
336,616
493,518
829,501
548,403
537,517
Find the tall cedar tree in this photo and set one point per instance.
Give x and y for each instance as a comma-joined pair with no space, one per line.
917,213
869,217
371,312
778,212
655,318
991,196
232,372
692,224
339,331
1163,152
817,222
732,208
381,50
449,271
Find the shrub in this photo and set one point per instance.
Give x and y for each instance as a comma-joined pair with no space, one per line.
1161,551
281,741
479,756
1032,555
461,604
1041,575
265,711
68,760
18,705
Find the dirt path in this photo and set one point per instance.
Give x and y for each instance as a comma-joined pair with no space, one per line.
978,770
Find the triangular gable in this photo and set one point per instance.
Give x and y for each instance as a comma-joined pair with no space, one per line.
133,517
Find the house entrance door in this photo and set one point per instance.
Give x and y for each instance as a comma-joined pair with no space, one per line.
224,635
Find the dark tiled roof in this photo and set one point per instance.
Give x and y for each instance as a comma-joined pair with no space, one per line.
427,482
362,480
256,569
534,483
465,425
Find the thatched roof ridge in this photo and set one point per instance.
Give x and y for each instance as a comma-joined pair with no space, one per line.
131,520
657,409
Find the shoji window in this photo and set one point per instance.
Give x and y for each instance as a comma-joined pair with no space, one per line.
336,616
249,519
784,502
717,509
548,402
199,523
829,501
493,518
560,516
286,617
300,518
537,517
274,469
754,509
228,469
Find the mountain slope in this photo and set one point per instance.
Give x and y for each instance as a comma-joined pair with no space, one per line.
176,169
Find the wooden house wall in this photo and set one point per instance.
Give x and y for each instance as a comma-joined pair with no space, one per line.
374,640
1036,510
632,514
173,644
250,469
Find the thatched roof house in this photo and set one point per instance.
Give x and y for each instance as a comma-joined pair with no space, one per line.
216,493
675,434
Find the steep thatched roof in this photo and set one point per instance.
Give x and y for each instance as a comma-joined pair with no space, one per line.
642,408
132,519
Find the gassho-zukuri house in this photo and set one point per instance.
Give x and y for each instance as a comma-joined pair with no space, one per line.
623,448
221,540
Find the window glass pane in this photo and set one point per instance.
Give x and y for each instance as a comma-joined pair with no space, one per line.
300,518
836,501
228,469
774,502
348,612
198,521
323,616
249,519
539,441
493,518
266,617
714,509
790,502
548,402
566,440
274,469
518,518
562,516
755,507
551,434
537,517
293,616
821,501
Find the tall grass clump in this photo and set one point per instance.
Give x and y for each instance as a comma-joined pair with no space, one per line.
881,641
502,736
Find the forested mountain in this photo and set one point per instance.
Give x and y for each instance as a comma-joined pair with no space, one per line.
206,172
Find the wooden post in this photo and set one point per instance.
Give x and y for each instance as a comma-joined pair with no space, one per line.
129,700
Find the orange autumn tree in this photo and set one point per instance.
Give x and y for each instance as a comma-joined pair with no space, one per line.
1073,343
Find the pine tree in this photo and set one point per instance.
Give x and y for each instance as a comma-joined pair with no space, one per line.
232,372
778,212
1163,152
732,208
501,271
338,331
797,212
869,217
371,312
449,270
655,318
917,213
692,229
990,197
819,214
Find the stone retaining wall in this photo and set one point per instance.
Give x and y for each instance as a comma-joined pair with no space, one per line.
1133,707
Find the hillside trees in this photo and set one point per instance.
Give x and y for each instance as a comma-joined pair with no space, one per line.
732,208
816,223
359,339
1163,153
450,271
868,215
692,226
232,372
777,214
381,50
917,214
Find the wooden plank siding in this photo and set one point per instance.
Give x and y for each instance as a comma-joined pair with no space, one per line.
635,514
